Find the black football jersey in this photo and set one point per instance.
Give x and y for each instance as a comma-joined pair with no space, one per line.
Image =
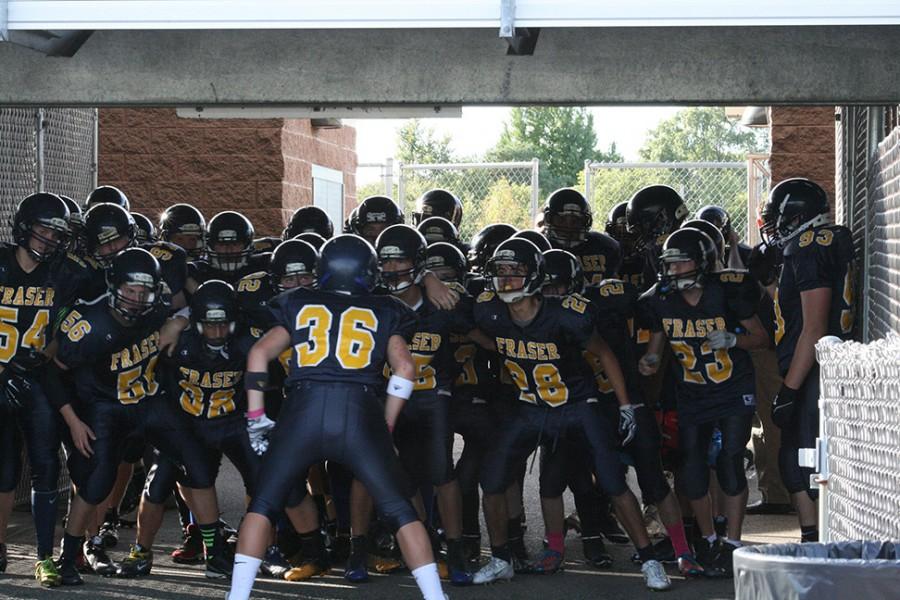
208,384
430,344
202,271
616,301
254,291
543,358
822,257
632,271
30,303
711,383
110,362
340,338
172,263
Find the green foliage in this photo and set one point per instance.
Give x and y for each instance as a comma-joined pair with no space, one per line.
561,137
701,134
504,202
417,144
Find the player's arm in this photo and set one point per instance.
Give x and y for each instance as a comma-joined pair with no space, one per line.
265,350
482,339
56,394
170,332
649,363
400,385
439,292
754,337
599,348
815,305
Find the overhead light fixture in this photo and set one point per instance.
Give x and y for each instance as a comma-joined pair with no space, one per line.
755,116
321,112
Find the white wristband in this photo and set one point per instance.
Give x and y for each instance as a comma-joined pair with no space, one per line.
400,387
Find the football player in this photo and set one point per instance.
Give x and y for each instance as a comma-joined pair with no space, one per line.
112,347
631,268
814,298
374,215
37,279
229,251
567,218
709,320
540,340
107,194
184,225
146,230
424,435
736,252
341,337
438,229
438,203
308,219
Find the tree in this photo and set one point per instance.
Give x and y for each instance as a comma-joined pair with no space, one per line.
561,137
701,134
417,144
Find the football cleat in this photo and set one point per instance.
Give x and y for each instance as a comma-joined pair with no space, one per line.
548,563
46,573
274,564
191,550
708,556
219,566
109,531
356,570
496,570
99,561
688,566
655,576
307,570
595,552
662,551
138,563
456,563
520,558
724,560
68,574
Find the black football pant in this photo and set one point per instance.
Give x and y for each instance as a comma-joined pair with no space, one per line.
801,433
343,422
162,425
424,438
694,441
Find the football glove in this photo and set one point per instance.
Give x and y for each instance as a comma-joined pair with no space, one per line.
721,340
628,422
783,406
258,431
15,391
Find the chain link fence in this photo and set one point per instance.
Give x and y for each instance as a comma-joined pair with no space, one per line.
859,440
52,150
490,192
701,183
45,150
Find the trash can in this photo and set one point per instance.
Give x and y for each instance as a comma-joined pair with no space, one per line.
834,571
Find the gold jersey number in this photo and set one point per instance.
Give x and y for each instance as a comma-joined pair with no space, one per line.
548,383
355,340
34,337
717,370
137,383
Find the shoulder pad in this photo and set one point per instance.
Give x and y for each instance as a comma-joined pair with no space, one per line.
90,262
486,296
76,259
650,293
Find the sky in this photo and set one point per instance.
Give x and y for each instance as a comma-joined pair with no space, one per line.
480,127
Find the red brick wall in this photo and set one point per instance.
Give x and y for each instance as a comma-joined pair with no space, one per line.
803,145
260,167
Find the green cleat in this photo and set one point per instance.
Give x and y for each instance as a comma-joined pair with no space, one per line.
46,574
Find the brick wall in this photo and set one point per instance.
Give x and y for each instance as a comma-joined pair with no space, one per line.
803,145
260,167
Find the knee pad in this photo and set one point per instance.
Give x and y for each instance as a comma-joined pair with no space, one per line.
45,475
396,513
730,471
794,477
160,484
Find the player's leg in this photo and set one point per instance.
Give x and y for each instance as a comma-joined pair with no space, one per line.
10,471
552,483
732,481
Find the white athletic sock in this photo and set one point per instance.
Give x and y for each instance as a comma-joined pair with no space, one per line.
429,582
245,568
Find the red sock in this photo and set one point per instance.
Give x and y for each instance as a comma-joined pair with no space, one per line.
676,534
556,541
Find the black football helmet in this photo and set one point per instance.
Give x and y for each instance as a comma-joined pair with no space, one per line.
234,229
134,282
714,234
106,223
653,213
794,205
292,259
535,237
617,227
684,245
146,231
107,194
309,219
215,301
374,215
446,261
184,225
600,256
563,270
265,244
314,239
438,229
401,242
49,212
76,217
350,221
516,258
719,217
438,203
348,265
486,241
567,218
